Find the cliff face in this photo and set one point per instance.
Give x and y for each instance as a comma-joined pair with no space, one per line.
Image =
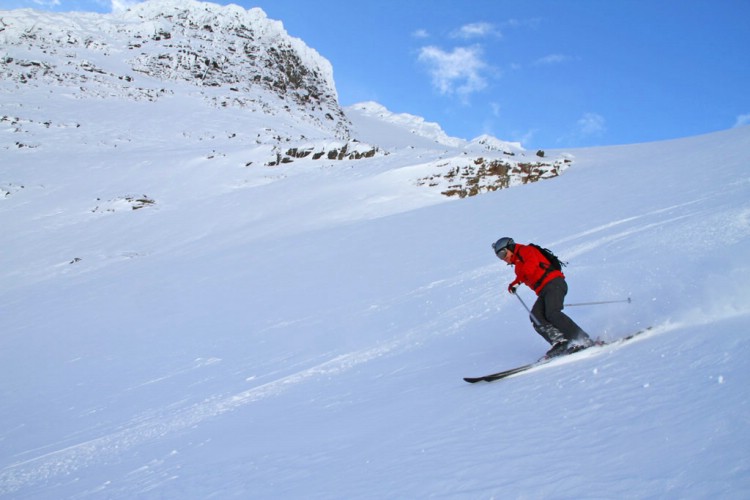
235,57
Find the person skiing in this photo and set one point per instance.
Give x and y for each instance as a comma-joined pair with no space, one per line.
534,270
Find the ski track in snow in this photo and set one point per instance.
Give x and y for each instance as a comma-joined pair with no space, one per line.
73,458
169,420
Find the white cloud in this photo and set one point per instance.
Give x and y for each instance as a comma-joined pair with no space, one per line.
459,71
475,30
742,120
552,59
532,23
421,33
591,124
588,126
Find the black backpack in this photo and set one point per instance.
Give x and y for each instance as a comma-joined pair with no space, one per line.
555,263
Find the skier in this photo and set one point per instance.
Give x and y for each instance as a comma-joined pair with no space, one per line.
533,270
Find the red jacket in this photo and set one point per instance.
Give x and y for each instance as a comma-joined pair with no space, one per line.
532,268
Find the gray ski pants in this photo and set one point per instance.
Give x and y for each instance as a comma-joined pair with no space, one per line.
554,325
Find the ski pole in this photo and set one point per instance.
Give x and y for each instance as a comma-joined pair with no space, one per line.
628,300
531,315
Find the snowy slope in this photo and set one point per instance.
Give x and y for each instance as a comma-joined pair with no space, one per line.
301,330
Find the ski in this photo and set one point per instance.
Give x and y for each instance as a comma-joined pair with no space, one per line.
505,373
513,371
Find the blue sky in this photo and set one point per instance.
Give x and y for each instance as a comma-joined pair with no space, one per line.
547,73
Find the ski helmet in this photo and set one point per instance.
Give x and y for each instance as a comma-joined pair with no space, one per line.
502,244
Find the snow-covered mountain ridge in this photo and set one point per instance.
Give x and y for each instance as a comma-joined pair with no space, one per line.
416,128
137,53
237,62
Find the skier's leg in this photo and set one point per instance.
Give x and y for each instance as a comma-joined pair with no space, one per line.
542,325
555,292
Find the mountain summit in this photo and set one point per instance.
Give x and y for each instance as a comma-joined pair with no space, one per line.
234,57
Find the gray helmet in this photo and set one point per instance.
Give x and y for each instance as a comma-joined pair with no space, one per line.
503,243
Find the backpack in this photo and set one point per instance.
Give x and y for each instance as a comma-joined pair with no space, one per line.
555,263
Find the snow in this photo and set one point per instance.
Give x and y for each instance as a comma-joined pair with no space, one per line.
399,130
302,330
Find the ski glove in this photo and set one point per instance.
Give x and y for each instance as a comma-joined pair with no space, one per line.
512,287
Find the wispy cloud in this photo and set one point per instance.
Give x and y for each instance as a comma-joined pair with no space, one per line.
460,71
420,33
533,23
552,59
525,137
742,120
476,30
457,72
588,126
591,124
